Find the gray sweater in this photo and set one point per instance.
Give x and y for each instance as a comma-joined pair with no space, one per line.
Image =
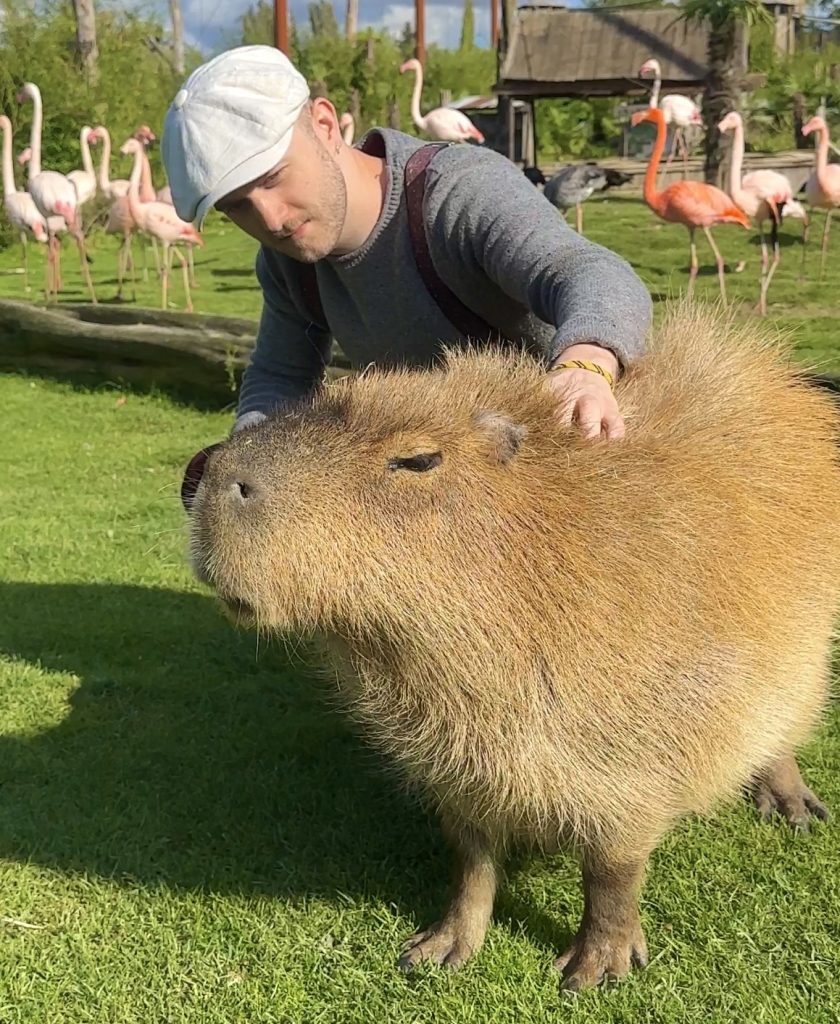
496,242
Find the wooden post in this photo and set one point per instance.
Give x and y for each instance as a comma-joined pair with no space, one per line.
494,23
420,30
281,26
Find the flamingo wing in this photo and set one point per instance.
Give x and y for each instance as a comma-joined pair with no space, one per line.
696,204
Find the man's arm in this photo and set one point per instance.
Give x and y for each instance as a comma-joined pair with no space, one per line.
486,214
488,217
290,354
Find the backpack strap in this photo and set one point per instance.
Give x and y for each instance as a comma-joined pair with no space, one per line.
469,324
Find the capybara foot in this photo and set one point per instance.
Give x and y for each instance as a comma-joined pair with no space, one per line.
444,943
781,791
607,956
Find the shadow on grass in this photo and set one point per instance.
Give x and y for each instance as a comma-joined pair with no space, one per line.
184,759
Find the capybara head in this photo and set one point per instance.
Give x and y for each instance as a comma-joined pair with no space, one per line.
375,494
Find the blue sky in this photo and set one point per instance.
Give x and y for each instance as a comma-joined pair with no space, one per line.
211,24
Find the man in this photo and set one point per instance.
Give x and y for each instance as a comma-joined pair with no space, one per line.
244,136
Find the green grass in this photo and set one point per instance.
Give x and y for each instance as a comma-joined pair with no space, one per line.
194,837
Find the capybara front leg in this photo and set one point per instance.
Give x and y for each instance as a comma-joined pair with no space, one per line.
460,933
780,790
610,939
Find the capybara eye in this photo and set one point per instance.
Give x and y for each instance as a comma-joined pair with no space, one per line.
417,463
193,474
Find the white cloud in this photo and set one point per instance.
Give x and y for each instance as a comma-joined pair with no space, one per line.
443,22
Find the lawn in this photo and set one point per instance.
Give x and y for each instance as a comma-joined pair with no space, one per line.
188,834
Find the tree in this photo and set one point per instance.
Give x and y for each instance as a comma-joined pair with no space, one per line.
322,19
177,37
467,27
729,23
351,20
86,49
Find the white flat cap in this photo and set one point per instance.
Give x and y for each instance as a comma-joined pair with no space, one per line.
230,124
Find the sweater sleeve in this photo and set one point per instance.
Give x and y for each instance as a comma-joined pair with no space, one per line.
487,216
291,352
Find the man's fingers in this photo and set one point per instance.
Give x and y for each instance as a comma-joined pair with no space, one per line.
589,417
614,426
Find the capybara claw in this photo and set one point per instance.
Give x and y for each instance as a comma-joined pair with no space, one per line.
786,795
440,945
586,963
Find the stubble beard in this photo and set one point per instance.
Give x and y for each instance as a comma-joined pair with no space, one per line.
327,217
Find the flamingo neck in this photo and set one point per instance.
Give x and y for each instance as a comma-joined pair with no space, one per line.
146,192
134,204
822,159
8,172
416,116
651,196
34,165
87,163
105,162
735,164
654,94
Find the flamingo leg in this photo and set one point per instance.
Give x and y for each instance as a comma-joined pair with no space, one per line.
765,284
670,157
48,269
58,283
719,261
692,274
684,151
25,255
164,276
185,271
579,218
191,261
826,229
80,242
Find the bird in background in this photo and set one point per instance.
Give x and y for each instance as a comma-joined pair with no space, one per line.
574,184
161,220
762,195
442,123
54,193
691,203
84,180
822,189
678,110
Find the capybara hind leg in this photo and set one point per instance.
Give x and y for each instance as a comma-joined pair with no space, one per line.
780,790
610,939
460,933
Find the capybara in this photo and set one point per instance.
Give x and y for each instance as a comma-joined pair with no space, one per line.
557,641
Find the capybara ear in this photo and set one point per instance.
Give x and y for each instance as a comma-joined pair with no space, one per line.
504,435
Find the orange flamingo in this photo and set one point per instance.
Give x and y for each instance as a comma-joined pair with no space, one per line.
692,203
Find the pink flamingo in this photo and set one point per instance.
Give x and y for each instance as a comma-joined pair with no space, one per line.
160,220
692,203
762,195
20,207
347,126
56,224
678,110
822,189
85,180
442,123
113,188
54,193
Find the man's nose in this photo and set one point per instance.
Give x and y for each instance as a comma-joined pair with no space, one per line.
271,210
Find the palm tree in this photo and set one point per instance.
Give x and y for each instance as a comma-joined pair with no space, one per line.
729,23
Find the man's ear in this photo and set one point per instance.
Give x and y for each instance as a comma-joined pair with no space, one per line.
504,436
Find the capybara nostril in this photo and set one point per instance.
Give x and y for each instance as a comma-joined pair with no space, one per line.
193,474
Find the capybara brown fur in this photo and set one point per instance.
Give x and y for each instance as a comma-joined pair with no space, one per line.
557,641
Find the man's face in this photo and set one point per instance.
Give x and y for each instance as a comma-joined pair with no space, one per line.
299,206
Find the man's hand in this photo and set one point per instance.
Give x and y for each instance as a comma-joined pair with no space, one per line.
585,397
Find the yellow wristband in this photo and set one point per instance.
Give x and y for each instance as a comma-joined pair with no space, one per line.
583,364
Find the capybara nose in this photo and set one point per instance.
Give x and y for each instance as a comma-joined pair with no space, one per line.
244,489
193,474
